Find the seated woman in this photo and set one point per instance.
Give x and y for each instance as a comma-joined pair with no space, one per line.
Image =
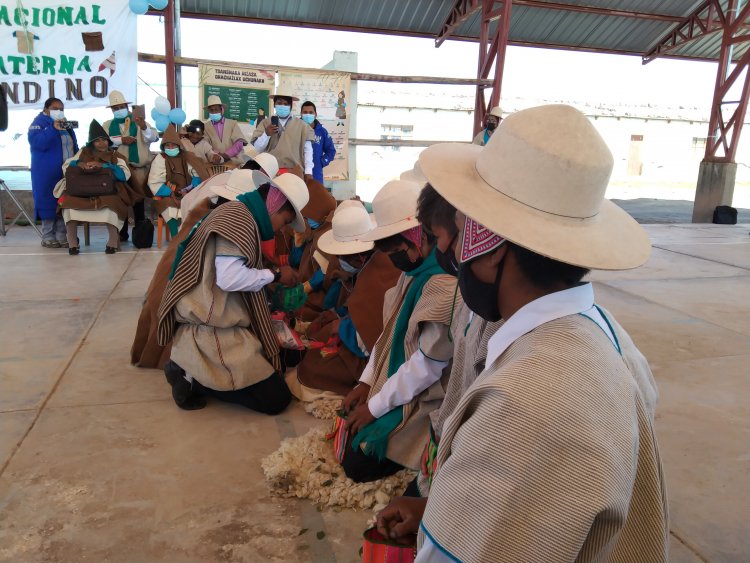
364,278
96,158
215,310
388,411
173,174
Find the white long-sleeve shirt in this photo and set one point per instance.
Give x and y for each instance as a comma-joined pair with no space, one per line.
149,136
414,376
233,275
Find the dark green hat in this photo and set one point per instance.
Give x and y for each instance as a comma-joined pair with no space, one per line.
96,131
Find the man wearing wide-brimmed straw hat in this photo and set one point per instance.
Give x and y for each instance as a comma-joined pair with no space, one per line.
215,309
132,136
388,411
223,134
286,137
363,276
551,453
492,120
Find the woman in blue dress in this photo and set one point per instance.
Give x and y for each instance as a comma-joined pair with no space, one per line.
52,143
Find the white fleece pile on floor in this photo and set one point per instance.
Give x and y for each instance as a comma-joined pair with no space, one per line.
305,467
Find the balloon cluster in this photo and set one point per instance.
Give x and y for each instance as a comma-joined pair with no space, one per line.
163,114
140,7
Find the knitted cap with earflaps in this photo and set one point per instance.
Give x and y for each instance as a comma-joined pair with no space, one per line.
170,136
96,131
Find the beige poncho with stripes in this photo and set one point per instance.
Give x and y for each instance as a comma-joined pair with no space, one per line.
427,330
551,456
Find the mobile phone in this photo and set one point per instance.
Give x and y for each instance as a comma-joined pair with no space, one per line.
275,120
69,124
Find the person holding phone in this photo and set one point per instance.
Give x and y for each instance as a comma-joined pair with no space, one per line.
131,136
286,137
51,144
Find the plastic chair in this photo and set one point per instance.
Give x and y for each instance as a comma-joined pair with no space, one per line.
161,224
214,169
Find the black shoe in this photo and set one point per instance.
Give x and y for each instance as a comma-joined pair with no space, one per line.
124,235
182,390
110,250
74,251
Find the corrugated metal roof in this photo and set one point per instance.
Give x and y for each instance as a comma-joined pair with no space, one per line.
531,22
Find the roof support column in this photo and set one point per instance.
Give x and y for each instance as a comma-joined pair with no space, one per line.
492,47
717,174
172,50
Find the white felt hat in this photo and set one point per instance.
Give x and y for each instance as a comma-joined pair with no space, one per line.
395,209
350,223
540,183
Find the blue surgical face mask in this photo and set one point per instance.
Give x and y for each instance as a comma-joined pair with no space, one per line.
172,152
120,113
282,111
313,223
348,268
308,118
215,117
57,114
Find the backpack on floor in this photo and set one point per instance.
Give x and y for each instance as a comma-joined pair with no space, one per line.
143,234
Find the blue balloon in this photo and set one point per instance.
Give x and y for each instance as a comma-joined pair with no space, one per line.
158,4
139,7
177,116
162,122
155,113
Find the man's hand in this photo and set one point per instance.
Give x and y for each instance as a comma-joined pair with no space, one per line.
400,519
289,276
216,159
355,397
140,122
322,320
128,140
92,165
271,130
309,177
359,418
58,124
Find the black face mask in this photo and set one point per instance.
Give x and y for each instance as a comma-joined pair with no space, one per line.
491,126
479,296
447,260
401,260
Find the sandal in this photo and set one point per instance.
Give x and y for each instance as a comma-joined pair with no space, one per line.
110,250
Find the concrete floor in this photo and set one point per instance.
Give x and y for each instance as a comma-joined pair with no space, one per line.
97,464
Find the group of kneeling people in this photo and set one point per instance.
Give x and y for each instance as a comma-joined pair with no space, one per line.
456,328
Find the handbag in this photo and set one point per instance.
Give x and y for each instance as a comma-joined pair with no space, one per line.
377,549
80,183
725,215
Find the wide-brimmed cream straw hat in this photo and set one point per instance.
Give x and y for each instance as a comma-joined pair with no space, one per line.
540,183
295,190
214,100
414,175
117,98
237,182
350,223
395,209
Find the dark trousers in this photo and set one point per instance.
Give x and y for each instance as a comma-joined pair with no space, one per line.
362,468
270,396
139,214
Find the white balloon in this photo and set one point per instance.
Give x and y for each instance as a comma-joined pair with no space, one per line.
162,105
